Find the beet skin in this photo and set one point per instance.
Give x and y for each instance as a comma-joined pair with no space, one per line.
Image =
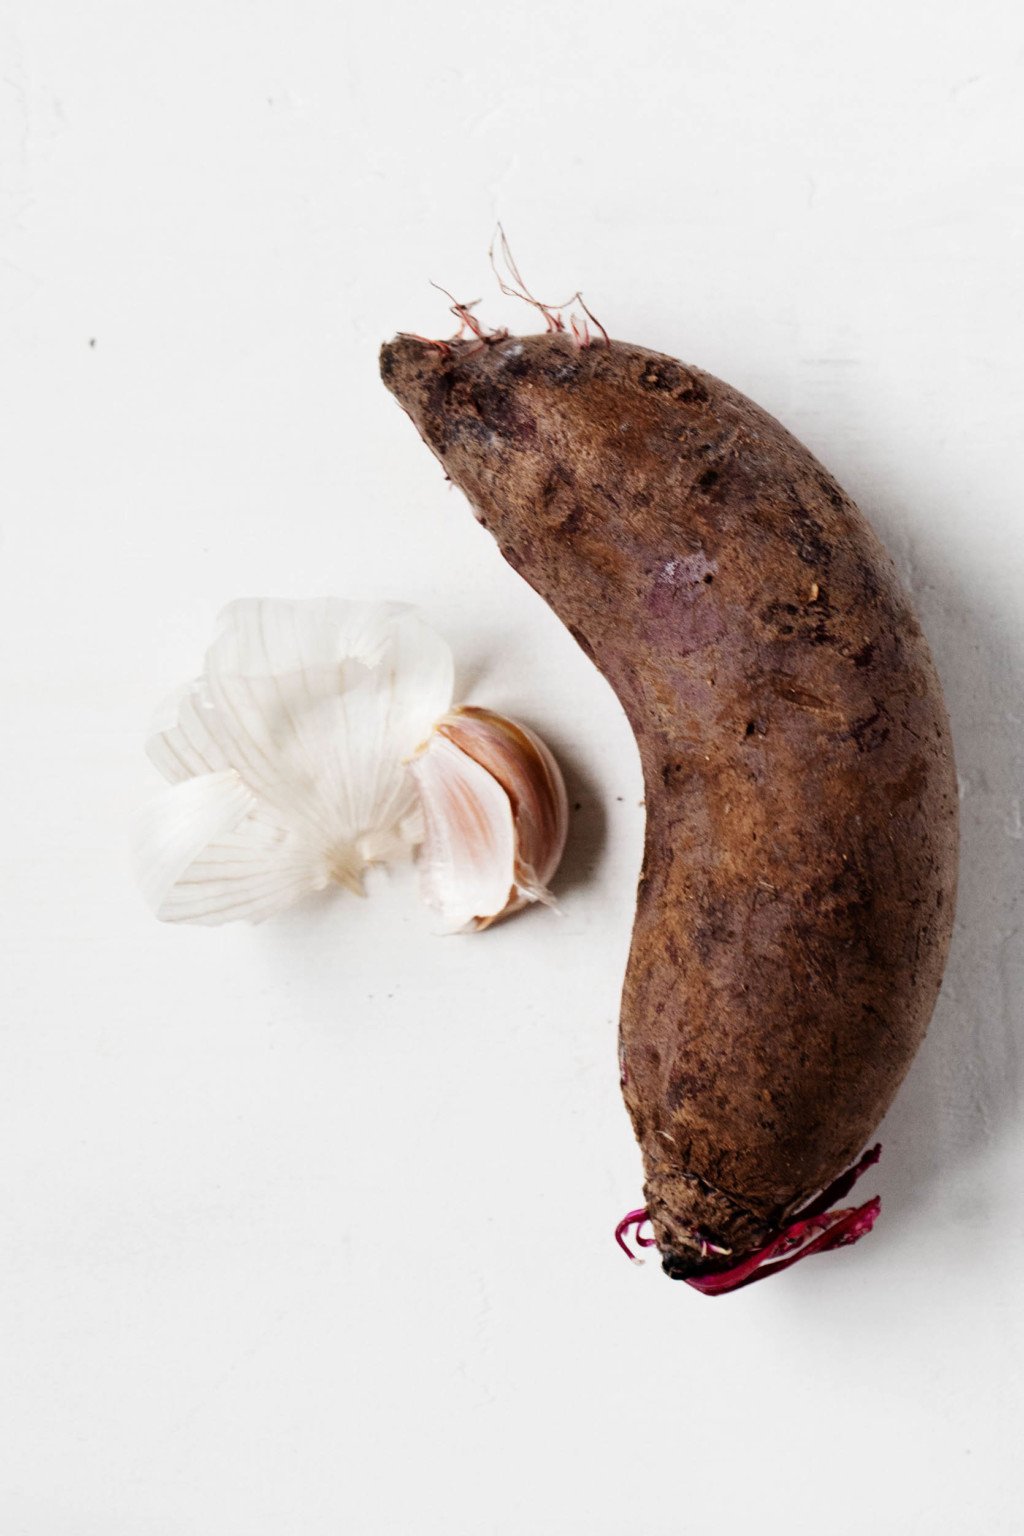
798,885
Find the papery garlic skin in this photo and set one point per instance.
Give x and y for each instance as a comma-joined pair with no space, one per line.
496,817
287,758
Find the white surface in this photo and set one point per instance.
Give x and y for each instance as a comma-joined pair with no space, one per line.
307,1229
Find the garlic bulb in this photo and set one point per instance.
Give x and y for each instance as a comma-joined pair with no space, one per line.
495,816
286,758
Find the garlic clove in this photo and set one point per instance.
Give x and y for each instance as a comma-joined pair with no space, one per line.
496,817
468,855
526,769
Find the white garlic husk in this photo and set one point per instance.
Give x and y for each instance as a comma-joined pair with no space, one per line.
287,758
495,817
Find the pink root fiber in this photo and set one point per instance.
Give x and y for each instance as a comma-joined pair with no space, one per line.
814,1229
798,1241
634,1219
514,287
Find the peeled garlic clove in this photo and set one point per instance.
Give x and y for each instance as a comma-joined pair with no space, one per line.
495,813
468,855
529,775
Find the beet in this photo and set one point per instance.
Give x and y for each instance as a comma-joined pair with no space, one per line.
796,899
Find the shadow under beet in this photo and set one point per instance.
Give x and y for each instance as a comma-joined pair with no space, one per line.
962,1094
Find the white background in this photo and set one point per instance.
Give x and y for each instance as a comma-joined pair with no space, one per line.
307,1229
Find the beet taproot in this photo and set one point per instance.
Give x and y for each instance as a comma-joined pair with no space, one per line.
796,899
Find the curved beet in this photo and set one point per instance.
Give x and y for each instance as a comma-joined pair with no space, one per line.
796,900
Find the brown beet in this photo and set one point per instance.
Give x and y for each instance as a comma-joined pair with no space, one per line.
797,893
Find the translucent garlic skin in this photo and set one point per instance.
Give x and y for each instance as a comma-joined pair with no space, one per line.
496,816
286,759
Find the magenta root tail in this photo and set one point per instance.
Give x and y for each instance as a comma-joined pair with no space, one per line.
814,1229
